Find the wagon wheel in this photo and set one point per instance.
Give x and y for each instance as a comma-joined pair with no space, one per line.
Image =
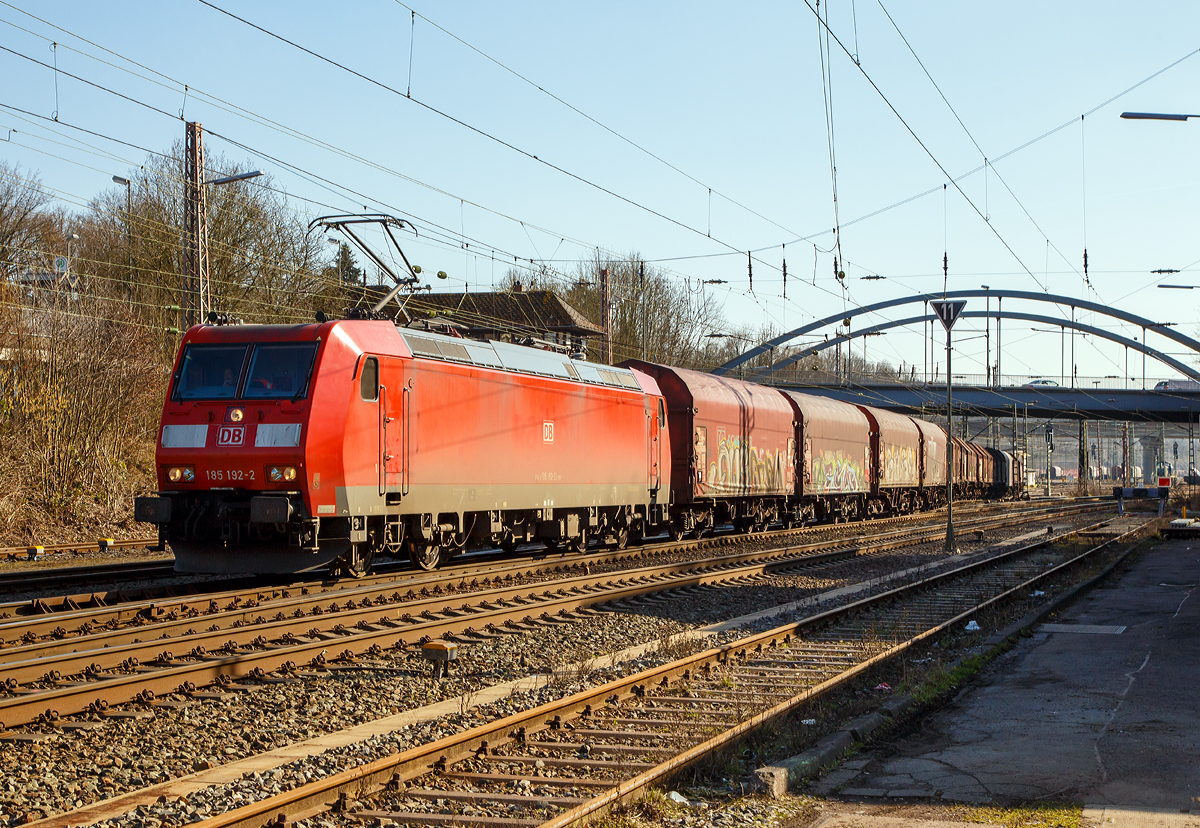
580,543
551,544
425,556
621,537
356,563
674,532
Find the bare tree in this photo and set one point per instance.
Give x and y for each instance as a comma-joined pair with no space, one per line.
22,224
263,265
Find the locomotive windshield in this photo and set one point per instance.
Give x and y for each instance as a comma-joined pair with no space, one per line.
210,372
280,370
215,372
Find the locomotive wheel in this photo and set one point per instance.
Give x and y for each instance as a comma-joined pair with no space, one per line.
674,532
425,556
551,544
357,562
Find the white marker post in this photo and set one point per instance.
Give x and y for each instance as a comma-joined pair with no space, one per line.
949,312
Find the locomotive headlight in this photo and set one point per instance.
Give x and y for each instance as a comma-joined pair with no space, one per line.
184,474
282,474
235,414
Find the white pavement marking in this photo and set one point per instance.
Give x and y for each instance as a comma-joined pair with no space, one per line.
1086,629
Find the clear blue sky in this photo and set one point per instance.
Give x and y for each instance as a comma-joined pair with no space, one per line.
728,97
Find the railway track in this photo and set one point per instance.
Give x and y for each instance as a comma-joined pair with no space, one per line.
35,551
142,651
48,586
568,762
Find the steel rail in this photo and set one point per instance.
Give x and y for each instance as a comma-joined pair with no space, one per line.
60,615
247,620
362,630
22,580
439,756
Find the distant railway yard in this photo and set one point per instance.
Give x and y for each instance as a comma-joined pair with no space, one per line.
521,688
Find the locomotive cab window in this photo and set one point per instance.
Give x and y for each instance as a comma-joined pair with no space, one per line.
278,371
368,382
210,372
662,414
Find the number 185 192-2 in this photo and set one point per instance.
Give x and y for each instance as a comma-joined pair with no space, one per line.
230,474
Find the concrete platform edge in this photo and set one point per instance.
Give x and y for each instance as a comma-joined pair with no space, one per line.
775,780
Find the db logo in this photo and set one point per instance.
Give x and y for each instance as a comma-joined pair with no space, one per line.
230,435
547,431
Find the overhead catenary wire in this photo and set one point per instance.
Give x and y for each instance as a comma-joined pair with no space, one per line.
731,251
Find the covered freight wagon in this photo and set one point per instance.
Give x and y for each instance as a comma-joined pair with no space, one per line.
732,448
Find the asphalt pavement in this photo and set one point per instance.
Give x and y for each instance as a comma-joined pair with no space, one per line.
1101,705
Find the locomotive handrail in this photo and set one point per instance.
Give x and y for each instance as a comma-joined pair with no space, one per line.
383,443
406,436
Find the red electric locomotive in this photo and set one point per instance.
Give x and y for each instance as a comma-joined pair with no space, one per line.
284,448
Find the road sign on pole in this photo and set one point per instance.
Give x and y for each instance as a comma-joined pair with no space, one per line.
948,311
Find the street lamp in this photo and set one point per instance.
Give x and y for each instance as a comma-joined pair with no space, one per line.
124,182
200,231
1155,116
229,179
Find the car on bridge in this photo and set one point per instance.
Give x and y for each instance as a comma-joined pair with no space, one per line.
1177,385
1041,383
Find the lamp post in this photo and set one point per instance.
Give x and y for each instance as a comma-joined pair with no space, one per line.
201,236
124,182
987,334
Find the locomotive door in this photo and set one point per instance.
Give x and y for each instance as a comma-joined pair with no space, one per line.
395,400
658,419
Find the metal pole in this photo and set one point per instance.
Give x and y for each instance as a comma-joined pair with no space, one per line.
999,339
1049,447
987,339
195,280
949,452
1143,359
1125,455
1072,347
607,314
645,309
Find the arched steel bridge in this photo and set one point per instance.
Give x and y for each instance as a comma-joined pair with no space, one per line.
1082,304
